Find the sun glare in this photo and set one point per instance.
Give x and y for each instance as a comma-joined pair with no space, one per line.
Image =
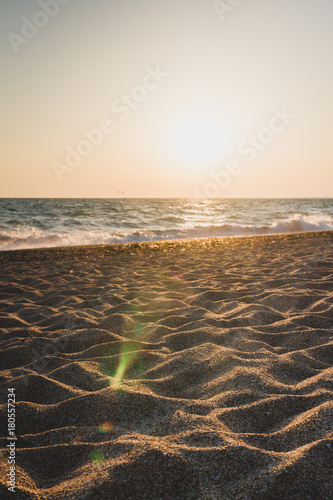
199,139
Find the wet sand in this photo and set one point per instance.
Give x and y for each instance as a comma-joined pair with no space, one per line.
198,369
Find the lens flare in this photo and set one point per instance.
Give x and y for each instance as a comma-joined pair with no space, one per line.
131,350
97,456
104,428
127,358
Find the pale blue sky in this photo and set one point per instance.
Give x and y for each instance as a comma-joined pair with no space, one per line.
229,75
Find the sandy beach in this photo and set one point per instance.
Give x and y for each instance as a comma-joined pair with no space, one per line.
197,369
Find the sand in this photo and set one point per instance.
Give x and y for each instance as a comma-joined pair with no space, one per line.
178,370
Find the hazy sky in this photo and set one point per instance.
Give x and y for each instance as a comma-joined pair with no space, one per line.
159,98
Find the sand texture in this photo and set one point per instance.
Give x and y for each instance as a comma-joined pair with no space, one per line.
179,370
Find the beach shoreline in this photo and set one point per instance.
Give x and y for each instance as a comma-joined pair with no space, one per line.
142,246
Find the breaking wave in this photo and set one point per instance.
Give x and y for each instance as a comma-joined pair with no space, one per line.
31,237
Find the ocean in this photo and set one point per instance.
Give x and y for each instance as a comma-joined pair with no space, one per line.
38,223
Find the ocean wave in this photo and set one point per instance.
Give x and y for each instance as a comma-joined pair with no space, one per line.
32,237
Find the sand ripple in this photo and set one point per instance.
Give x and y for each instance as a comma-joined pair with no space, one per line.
180,370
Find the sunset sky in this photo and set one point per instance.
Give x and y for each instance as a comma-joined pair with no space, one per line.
176,98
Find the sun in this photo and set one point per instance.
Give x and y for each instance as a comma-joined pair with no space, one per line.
198,139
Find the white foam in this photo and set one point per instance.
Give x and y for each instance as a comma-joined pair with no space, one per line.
31,237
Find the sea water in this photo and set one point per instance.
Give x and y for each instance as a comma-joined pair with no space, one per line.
38,223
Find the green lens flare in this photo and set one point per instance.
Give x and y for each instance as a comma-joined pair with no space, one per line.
126,361
148,312
97,456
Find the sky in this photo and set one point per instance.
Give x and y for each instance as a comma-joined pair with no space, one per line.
176,98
